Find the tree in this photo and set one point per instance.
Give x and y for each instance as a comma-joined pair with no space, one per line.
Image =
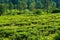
59,3
53,5
32,5
2,9
39,4
22,5
47,5
11,6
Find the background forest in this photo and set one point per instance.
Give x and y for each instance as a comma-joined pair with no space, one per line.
29,5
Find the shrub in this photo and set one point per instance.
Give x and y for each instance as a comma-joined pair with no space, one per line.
19,37
39,12
57,37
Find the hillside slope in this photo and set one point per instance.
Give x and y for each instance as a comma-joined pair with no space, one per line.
24,27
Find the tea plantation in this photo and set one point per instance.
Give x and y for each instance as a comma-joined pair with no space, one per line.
30,27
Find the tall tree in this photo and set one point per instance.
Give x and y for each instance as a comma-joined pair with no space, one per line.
11,6
22,5
2,9
53,5
39,4
59,3
48,5
32,5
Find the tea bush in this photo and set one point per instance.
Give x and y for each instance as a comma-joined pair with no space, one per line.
30,27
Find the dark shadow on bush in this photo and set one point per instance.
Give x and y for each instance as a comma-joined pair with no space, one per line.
56,11
20,37
37,12
57,37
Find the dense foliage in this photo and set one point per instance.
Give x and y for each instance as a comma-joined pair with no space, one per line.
31,4
25,27
29,19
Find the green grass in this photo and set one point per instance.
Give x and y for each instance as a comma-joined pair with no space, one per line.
33,27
